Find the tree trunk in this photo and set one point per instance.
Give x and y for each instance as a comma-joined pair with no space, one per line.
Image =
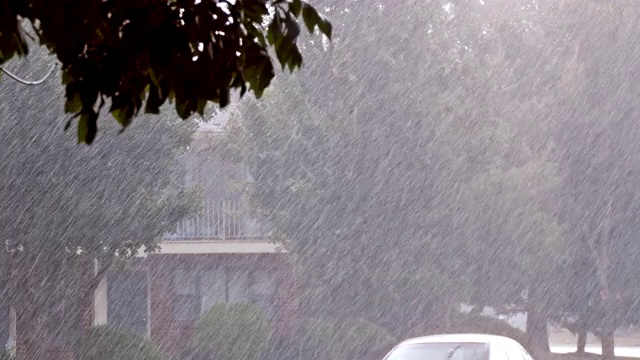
582,341
537,335
581,329
608,345
601,254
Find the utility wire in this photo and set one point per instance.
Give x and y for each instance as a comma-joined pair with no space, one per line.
27,82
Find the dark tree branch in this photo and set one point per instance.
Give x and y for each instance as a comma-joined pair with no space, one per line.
27,82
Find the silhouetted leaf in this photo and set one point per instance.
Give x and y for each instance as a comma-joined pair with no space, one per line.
73,105
312,19
122,116
102,58
87,127
202,104
295,6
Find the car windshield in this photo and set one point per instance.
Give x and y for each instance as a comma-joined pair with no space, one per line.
441,351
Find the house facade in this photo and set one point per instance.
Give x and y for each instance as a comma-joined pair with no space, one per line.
220,255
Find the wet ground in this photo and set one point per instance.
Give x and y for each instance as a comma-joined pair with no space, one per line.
625,351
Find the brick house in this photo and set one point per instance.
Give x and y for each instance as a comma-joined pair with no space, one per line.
221,255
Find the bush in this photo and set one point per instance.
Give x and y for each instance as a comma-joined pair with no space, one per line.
4,355
115,343
314,339
334,340
363,340
469,323
232,332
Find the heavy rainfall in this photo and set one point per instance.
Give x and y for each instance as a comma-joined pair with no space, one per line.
270,179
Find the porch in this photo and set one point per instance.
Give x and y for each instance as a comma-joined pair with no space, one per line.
224,220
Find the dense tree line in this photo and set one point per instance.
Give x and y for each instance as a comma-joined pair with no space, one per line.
67,205
474,154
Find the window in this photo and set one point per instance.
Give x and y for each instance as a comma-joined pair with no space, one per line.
219,285
186,303
239,291
236,286
214,288
128,301
264,288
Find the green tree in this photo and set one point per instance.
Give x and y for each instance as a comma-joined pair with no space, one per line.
339,339
597,141
520,243
386,181
65,205
323,162
126,53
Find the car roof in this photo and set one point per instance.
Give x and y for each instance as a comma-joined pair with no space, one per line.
458,338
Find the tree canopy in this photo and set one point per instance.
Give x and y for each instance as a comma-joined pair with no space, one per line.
490,160
405,173
134,55
597,139
66,205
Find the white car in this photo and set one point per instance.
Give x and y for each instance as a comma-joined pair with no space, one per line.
459,347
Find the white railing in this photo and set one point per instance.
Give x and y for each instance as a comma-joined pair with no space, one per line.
220,220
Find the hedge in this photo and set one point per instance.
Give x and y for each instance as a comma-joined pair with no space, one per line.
231,332
115,343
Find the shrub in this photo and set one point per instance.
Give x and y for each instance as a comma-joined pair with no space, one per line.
360,339
5,355
470,323
314,339
232,332
115,343
335,340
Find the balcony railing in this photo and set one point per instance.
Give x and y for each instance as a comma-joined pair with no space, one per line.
220,220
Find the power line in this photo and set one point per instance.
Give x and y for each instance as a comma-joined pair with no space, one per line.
27,82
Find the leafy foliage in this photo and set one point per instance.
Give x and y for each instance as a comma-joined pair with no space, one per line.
339,339
134,55
232,331
362,339
46,174
323,151
597,137
410,178
502,169
112,343
68,205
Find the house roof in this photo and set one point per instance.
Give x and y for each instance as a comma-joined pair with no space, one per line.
220,247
